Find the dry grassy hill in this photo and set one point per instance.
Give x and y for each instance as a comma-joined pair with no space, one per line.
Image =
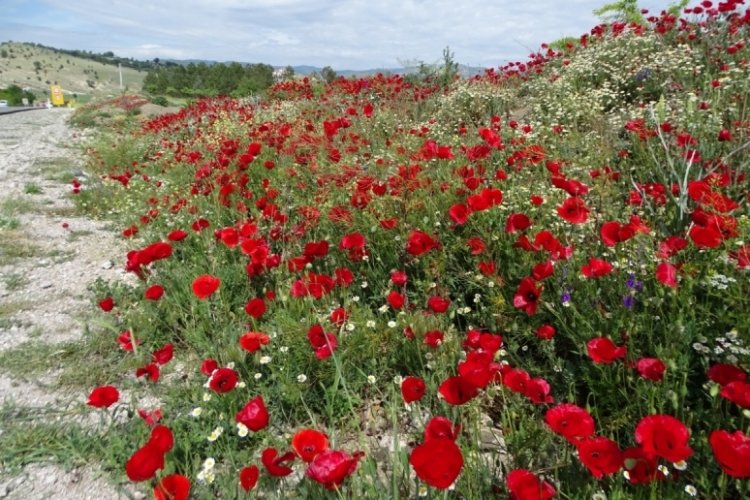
36,68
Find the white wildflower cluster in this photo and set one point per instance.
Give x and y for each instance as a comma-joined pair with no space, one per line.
732,347
242,429
468,103
700,346
719,281
215,434
207,475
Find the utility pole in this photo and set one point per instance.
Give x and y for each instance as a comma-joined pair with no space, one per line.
119,68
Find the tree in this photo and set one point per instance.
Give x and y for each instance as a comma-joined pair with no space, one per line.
328,74
288,73
624,10
449,70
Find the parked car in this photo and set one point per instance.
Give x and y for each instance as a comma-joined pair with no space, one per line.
3,104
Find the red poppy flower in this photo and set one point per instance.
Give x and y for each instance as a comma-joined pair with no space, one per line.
596,268
172,487
161,438
308,443
316,249
600,455
223,380
412,389
252,341
651,368
205,285
664,436
732,451
399,278
573,210
154,292
459,213
483,341
344,277
107,304
545,332
537,390
355,244
339,316
527,295
737,392
705,236
126,341
457,390
323,343
742,256
254,415
150,417
163,355
277,465
433,338
200,224
516,379
143,464
208,366
570,421
666,273
723,373
437,462
249,477
603,350
543,270
641,466
438,304
525,485
177,235
441,427
151,371
255,307
517,222
671,246
420,243
103,396
330,468
396,300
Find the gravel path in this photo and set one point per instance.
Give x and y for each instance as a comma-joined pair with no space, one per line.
48,258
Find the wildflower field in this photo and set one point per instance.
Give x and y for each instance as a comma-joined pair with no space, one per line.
529,284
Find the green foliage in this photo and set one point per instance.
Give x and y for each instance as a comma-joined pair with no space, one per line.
160,100
328,74
449,70
198,80
624,10
15,95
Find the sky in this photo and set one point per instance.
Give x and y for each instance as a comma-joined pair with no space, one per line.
343,34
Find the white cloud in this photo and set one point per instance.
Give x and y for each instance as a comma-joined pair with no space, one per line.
346,34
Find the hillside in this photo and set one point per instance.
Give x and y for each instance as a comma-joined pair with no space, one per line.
37,68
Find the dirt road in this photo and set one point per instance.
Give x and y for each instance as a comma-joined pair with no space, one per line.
48,258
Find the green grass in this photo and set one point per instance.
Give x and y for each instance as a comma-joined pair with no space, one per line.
76,235
34,435
11,307
7,222
95,359
16,205
14,281
56,169
32,188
